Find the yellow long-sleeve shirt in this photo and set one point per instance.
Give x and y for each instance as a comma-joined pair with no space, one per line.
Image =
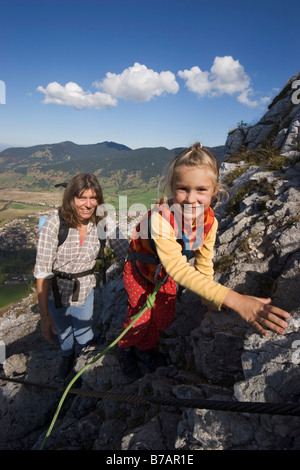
197,278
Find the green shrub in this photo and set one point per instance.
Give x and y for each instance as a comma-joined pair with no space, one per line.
223,264
262,156
234,175
233,206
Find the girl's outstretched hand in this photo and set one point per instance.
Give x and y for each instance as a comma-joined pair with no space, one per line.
258,312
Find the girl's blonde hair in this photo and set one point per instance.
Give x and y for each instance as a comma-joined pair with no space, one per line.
197,156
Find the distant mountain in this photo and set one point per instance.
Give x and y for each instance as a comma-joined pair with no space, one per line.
41,165
40,155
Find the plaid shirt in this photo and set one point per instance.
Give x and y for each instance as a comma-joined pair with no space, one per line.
72,258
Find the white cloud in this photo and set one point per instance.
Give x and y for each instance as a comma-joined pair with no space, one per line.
138,83
196,80
73,95
244,98
226,76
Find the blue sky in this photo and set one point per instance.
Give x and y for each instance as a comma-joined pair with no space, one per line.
143,73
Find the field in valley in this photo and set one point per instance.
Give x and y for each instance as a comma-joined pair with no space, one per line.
20,204
31,197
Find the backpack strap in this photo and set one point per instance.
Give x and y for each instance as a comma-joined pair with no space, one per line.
63,230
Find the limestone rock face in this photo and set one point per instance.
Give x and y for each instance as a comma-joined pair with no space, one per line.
278,127
210,355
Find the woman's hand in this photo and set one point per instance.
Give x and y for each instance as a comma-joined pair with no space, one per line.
48,327
258,312
47,322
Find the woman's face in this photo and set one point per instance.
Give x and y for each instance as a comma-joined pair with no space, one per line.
85,205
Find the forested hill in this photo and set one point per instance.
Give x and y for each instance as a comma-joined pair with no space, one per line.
42,165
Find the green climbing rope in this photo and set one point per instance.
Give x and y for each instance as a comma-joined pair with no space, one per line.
148,305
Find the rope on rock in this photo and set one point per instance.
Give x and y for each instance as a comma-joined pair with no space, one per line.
282,409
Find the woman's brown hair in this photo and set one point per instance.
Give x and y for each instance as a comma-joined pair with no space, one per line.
75,188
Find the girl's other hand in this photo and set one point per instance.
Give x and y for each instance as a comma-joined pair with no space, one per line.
258,312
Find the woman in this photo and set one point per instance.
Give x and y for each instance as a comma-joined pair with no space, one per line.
64,273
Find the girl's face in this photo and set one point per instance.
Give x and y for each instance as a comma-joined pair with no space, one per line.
193,186
86,205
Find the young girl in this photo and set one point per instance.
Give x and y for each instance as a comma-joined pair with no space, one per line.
194,181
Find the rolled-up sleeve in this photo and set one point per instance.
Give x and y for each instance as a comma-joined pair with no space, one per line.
46,249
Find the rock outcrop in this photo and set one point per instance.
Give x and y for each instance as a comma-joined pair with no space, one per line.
278,127
213,356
